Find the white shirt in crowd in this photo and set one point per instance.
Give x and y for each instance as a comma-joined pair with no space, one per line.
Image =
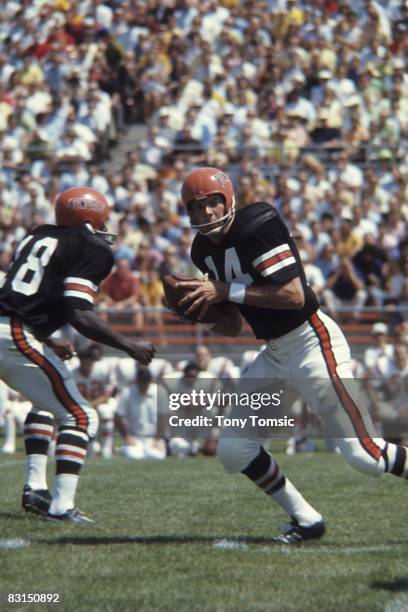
141,410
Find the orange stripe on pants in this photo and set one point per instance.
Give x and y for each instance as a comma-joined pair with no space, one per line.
345,398
51,372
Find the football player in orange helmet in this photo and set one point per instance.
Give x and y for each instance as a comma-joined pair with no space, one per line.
53,280
83,206
211,189
251,265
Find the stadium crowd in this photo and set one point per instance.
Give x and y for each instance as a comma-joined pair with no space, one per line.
304,103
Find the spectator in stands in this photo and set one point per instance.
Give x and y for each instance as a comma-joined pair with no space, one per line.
184,247
349,242
121,289
314,276
141,418
344,288
152,299
170,263
146,257
184,439
96,381
382,348
221,367
327,260
323,134
370,263
398,284
391,399
13,411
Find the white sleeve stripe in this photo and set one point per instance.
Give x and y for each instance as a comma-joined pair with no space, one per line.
278,266
271,253
80,281
79,294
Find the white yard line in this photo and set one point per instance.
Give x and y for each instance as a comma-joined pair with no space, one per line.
13,543
231,544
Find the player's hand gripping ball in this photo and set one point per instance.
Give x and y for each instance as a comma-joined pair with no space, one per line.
174,294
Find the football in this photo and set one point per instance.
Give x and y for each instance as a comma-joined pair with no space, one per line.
174,294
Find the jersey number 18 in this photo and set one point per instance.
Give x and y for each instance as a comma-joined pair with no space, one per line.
31,270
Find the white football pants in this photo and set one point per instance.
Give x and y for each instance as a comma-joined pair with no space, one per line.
313,362
33,369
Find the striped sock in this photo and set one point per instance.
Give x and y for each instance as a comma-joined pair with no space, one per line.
70,451
265,473
38,428
395,459
268,476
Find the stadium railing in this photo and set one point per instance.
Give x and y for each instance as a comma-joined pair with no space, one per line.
172,332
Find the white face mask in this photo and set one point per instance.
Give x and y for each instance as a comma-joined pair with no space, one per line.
108,237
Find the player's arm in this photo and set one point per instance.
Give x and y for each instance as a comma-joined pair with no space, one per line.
80,290
272,260
287,295
87,323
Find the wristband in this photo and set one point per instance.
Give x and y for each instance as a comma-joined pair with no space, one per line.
236,293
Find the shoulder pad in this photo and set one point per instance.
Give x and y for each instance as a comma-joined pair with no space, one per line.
254,216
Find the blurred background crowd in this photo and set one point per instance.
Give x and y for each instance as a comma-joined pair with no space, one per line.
304,103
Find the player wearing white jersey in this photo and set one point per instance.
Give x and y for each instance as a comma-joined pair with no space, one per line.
96,381
222,367
141,417
17,409
187,440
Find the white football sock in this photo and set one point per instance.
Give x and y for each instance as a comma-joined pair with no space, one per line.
36,471
63,494
293,502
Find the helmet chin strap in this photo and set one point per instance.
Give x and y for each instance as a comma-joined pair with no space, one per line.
223,220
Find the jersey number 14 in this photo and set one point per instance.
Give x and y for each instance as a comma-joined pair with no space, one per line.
232,268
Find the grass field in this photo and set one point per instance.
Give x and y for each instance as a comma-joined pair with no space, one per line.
182,536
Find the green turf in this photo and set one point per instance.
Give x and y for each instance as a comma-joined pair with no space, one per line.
153,547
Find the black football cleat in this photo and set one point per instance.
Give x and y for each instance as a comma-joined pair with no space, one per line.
71,516
296,534
36,501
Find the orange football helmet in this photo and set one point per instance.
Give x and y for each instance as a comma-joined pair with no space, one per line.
200,184
83,206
